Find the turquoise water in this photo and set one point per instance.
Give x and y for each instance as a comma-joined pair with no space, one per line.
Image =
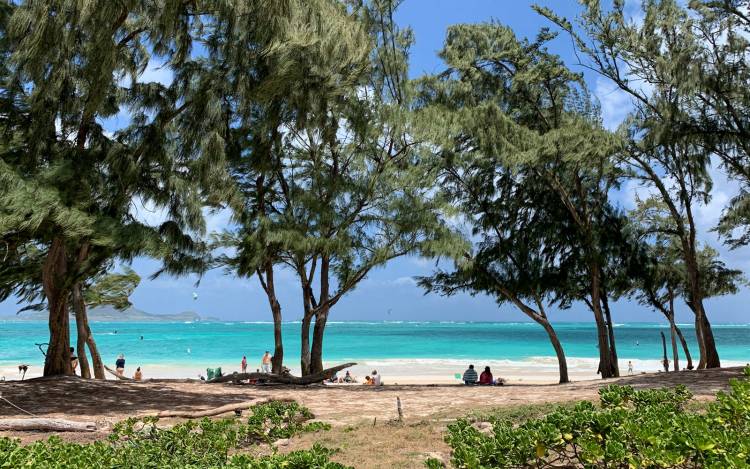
217,342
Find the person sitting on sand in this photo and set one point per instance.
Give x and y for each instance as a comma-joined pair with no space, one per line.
120,365
348,378
138,375
470,376
486,377
265,364
376,378
368,381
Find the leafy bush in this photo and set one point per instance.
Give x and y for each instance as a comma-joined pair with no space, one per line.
139,443
631,429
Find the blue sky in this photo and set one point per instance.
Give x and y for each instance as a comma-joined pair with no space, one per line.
390,292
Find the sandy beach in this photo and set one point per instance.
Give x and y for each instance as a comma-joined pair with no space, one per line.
362,417
423,371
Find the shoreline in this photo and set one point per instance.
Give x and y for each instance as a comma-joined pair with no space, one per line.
422,371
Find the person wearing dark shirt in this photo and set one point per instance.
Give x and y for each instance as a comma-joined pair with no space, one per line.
120,364
486,377
470,375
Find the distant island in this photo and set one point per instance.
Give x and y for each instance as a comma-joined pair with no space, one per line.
110,314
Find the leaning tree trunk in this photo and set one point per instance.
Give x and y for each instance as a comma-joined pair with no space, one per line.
78,308
610,335
562,363
712,355
96,359
54,271
685,348
540,318
709,356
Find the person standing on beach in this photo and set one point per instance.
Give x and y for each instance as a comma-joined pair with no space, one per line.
265,364
470,376
120,364
73,360
630,367
244,364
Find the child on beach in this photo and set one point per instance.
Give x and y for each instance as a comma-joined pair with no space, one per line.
138,375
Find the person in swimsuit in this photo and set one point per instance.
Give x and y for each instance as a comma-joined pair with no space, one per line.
244,364
120,364
266,362
73,360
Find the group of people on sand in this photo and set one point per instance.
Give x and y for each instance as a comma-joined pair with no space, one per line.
265,363
470,377
119,365
120,368
374,379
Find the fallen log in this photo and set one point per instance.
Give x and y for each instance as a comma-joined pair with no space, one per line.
45,425
114,373
217,410
285,378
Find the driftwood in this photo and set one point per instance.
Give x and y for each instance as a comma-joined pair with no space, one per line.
285,378
45,425
114,373
217,410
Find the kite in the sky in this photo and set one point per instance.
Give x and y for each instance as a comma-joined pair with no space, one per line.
195,296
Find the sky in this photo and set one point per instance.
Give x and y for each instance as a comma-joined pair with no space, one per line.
390,292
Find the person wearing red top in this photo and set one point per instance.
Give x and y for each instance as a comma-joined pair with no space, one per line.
486,376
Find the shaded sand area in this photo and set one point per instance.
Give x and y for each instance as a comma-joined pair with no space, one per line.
362,417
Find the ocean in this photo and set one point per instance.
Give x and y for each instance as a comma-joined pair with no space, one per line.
402,347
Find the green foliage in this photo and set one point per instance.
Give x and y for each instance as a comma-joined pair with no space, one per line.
139,443
632,428
112,289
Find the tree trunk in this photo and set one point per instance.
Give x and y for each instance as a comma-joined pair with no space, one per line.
665,360
269,286
712,355
45,425
316,352
605,357
318,377
305,360
611,335
79,309
321,317
277,361
673,333
54,271
685,348
562,363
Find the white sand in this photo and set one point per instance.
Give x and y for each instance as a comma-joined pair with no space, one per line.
536,370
